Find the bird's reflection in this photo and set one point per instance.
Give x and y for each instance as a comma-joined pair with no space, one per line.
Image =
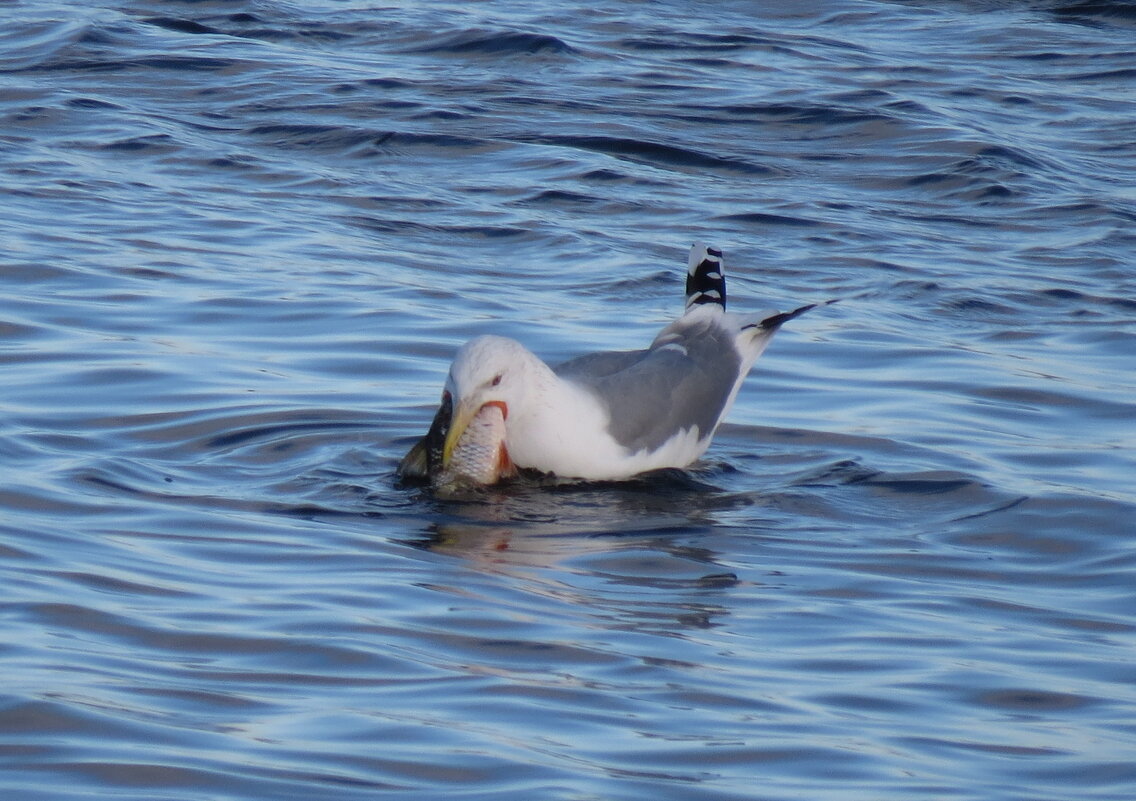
538,523
547,507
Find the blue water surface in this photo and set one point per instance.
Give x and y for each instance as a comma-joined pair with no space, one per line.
240,242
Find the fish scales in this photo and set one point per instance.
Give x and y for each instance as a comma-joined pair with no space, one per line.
478,456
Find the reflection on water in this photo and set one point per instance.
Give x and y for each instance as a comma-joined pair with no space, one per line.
538,522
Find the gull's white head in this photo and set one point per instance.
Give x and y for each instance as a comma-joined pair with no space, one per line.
486,370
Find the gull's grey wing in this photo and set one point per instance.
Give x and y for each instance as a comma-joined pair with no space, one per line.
682,381
593,366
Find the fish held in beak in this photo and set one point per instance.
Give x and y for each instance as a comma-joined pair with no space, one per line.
424,459
474,452
463,448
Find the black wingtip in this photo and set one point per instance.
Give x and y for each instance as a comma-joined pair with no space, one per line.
705,280
773,322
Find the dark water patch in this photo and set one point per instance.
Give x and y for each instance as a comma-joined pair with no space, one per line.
576,202
225,430
155,63
496,43
653,153
154,492
641,286
388,84
315,137
763,219
55,715
409,226
990,174
1029,701
396,140
30,43
935,497
964,187
248,26
847,471
364,142
251,26
963,221
93,103
1059,293
693,40
279,435
605,176
180,25
1005,157
1090,11
1051,401
933,745
559,197
154,144
116,586
936,483
971,307
804,114
1055,527
523,97
306,658
16,330
1101,75
706,63
430,115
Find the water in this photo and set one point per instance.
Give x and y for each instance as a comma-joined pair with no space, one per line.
241,241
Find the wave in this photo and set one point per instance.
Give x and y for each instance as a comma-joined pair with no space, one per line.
496,43
655,153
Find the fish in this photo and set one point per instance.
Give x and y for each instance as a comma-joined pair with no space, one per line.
479,456
424,460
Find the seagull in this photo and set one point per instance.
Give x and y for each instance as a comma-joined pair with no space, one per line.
612,415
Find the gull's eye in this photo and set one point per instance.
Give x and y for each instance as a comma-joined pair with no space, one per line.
496,380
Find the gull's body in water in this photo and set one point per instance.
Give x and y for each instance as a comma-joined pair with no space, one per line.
602,416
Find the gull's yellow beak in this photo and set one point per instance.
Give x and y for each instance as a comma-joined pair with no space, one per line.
463,414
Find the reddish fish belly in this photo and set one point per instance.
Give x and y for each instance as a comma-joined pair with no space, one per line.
480,456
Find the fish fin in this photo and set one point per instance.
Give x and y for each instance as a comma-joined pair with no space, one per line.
505,466
416,463
424,459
